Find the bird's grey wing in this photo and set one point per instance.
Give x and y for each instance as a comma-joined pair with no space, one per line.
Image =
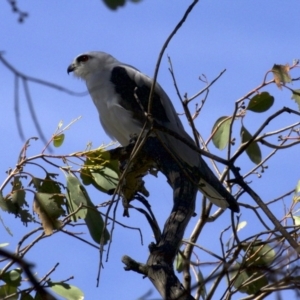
129,82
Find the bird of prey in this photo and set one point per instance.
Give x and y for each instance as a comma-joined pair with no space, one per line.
120,93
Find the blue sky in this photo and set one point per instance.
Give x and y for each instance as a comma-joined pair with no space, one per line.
245,37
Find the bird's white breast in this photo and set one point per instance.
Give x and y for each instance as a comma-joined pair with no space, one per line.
115,119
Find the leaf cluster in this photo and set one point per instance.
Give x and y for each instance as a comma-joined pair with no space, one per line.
255,266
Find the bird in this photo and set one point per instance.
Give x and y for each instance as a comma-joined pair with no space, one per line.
120,93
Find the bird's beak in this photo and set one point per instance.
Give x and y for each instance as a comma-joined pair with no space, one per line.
71,68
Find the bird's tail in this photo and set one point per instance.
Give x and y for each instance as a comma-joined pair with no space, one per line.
214,190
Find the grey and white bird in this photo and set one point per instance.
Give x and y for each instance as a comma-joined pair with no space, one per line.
115,88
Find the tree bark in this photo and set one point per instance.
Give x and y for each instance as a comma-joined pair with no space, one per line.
159,267
162,254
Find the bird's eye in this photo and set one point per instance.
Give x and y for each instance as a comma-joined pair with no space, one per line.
83,58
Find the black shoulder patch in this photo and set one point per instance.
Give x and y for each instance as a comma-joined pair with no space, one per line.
126,88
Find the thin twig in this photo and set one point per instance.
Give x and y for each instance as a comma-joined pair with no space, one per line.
164,47
206,88
40,81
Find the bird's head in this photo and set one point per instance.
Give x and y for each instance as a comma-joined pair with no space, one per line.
89,63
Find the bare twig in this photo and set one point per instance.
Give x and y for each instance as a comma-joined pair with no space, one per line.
39,81
15,8
244,146
206,88
164,47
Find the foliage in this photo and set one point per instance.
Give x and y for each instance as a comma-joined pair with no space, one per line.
114,4
111,4
56,203
12,281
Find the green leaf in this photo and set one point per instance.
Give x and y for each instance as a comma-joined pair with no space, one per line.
179,262
240,278
100,171
260,102
94,222
296,220
14,202
241,225
58,140
18,193
297,189
253,150
47,185
221,131
256,278
201,280
50,186
296,197
114,4
12,277
51,203
104,179
49,209
69,292
75,197
262,255
281,75
6,290
296,97
7,205
60,124
77,194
